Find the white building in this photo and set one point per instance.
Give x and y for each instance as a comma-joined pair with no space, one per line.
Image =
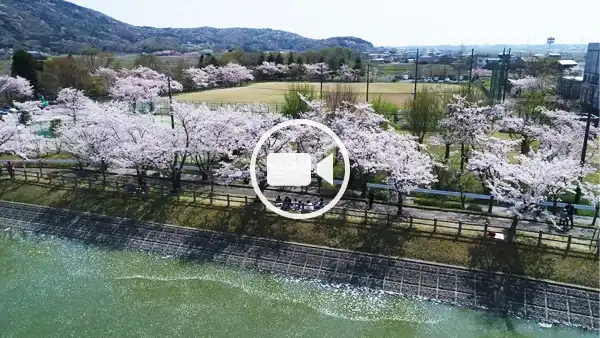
590,88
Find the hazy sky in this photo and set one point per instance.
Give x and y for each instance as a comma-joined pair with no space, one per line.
383,22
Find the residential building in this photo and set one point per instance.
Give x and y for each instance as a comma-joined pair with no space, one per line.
569,87
590,90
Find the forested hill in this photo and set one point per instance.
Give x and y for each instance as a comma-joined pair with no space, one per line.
63,27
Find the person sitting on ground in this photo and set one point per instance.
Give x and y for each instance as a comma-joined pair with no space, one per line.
278,201
563,218
287,203
295,205
300,206
491,234
309,207
321,203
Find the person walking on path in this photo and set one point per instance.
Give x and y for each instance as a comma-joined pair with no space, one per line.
570,208
10,168
371,198
563,219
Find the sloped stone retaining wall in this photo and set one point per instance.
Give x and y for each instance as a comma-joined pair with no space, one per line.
523,297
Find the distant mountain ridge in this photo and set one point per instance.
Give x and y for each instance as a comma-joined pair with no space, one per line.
62,27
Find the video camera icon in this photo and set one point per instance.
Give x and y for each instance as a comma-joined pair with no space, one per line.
294,169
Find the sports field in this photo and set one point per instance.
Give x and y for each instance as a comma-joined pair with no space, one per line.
272,92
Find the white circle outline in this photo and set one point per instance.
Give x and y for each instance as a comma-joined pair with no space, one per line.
299,122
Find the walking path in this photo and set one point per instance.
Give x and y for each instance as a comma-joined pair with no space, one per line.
453,217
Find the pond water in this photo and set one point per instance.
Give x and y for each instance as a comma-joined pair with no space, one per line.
55,288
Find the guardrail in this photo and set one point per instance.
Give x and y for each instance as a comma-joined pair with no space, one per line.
387,187
345,216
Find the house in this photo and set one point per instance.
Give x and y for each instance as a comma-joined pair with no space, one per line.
590,88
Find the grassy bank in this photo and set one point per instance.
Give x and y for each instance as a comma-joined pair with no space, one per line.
539,262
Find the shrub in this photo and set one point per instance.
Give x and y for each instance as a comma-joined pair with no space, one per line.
293,104
385,108
343,94
475,207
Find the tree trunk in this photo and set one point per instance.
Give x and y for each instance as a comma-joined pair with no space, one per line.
400,203
462,157
512,231
596,214
490,204
447,152
554,205
525,145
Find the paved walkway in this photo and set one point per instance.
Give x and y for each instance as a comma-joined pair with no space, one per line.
494,222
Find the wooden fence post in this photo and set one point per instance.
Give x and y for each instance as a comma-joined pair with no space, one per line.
228,203
540,238
194,195
434,224
62,179
75,180
485,227
245,200
365,216
37,176
50,178
117,185
411,222
25,173
89,183
569,242
211,197
459,227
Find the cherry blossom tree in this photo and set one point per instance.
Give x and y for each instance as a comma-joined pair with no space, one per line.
15,138
235,74
141,84
532,180
15,87
237,167
73,102
203,78
591,192
91,140
137,138
173,146
271,70
406,167
346,73
317,70
213,141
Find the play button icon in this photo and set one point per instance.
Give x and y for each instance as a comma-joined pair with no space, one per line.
325,169
294,169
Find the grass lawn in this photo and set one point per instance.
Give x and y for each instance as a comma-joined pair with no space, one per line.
272,92
540,262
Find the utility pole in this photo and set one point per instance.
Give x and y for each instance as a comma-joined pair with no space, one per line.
368,74
584,153
416,75
170,101
507,64
471,68
321,80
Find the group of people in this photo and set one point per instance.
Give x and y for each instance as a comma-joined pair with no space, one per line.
566,217
287,204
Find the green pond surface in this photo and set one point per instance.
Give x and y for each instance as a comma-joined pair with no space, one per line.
55,288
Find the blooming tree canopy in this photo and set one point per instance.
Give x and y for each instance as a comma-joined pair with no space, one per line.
15,87
141,84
